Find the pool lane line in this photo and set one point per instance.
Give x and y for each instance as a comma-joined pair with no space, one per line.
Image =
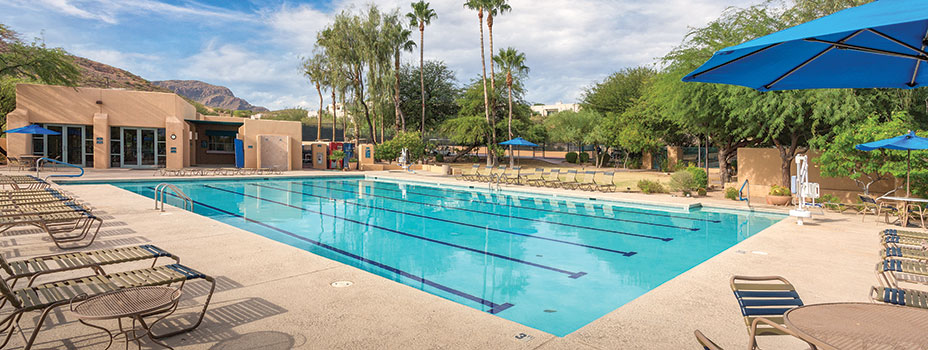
569,274
455,222
494,307
665,239
542,209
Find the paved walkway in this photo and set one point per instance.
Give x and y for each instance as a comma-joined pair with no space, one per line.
274,296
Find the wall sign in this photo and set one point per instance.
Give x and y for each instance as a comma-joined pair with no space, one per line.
173,149
99,140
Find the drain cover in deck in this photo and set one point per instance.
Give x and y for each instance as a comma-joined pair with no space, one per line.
342,284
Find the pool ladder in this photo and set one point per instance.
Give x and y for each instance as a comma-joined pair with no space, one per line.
160,192
741,196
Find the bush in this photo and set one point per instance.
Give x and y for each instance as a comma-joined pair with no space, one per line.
778,190
701,191
731,193
439,158
571,157
683,181
699,174
584,157
830,201
648,187
391,149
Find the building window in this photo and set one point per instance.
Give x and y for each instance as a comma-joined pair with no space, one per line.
220,141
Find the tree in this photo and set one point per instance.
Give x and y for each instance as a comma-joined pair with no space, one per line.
421,16
22,62
511,62
469,131
495,8
572,127
314,69
619,91
480,6
400,41
839,158
441,93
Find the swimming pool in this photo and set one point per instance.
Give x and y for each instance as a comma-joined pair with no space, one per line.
551,263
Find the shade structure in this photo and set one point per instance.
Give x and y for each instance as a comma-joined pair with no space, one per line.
908,142
878,45
33,129
518,141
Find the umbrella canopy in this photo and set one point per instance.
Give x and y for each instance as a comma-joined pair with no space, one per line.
33,129
878,45
907,142
518,141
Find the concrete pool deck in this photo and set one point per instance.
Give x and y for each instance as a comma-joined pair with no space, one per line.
274,296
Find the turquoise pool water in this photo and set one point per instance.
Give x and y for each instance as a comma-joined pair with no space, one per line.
551,263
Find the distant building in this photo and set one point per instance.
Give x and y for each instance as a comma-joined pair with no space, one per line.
546,110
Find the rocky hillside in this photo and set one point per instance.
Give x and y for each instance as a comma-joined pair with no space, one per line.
99,75
208,94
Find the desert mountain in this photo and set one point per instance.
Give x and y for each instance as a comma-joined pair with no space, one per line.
99,75
208,94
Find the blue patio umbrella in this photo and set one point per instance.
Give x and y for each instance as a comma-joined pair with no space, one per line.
518,141
878,45
907,142
33,129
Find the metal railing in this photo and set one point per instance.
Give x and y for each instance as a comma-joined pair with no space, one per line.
38,167
160,192
741,196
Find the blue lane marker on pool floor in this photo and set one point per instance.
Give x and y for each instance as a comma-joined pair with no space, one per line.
494,307
665,239
550,268
538,209
455,222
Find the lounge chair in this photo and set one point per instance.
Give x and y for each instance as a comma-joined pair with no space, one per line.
468,175
891,271
23,182
605,186
904,233
705,342
26,268
568,182
552,179
58,223
483,176
763,301
533,178
49,296
514,176
903,240
900,251
498,176
871,205
588,182
900,296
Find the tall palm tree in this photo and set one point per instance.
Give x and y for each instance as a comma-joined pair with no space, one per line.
494,8
421,16
314,69
480,6
512,62
399,37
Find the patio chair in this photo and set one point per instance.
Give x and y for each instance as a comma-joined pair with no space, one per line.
568,182
58,223
871,205
605,186
513,176
483,176
49,296
763,301
498,175
900,296
705,342
26,268
891,271
552,179
588,182
13,161
466,175
533,178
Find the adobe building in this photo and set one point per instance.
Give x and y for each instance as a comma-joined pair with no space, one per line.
109,128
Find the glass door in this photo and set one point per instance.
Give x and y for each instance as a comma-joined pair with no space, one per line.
140,147
54,147
74,145
130,147
147,147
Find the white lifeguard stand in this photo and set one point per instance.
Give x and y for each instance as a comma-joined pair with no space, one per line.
803,189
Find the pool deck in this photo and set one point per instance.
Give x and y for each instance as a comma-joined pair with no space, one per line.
274,296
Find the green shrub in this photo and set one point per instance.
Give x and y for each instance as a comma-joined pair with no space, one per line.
777,190
731,193
701,191
699,174
830,201
584,157
439,158
571,157
337,155
391,149
683,181
665,165
648,187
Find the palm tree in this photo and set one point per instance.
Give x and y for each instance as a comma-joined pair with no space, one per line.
479,6
512,62
315,69
494,8
421,16
400,41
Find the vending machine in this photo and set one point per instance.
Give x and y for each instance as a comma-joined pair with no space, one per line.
335,146
349,151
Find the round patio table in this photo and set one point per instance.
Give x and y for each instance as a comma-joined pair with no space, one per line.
130,303
860,326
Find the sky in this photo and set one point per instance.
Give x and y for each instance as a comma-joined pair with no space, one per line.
254,47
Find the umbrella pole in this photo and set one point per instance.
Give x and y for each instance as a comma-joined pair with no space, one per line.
908,170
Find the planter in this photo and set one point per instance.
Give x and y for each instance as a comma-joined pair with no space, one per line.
779,200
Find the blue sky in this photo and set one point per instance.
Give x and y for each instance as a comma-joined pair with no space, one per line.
254,47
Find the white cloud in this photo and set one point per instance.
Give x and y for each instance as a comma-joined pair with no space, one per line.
109,11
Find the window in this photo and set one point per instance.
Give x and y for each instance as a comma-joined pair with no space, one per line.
220,141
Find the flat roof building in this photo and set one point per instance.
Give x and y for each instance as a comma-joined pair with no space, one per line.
546,110
109,128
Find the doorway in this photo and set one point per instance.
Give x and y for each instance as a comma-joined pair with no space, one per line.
140,147
73,146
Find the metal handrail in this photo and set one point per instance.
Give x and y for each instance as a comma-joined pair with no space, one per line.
38,163
160,195
741,196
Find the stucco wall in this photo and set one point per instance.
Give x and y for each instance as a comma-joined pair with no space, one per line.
761,167
252,128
